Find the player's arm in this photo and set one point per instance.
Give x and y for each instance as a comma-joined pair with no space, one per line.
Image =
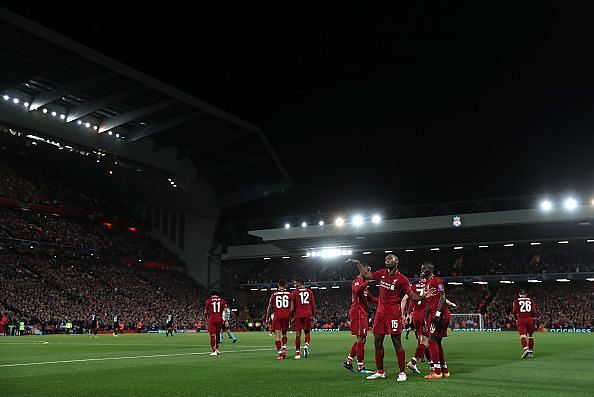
451,304
269,309
515,310
416,297
366,275
437,317
372,298
403,304
292,296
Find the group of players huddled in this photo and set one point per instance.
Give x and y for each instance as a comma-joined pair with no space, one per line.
428,314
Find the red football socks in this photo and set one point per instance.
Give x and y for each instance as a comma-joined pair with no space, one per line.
298,342
284,340
434,349
360,352
442,360
277,344
353,353
213,342
523,340
379,361
307,338
401,359
530,343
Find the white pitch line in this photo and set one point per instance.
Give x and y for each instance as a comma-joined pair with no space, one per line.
41,342
83,360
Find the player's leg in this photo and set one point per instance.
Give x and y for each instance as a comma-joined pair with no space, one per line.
307,332
231,335
297,340
530,332
420,351
213,338
434,351
352,354
361,339
378,342
277,342
284,336
400,354
442,359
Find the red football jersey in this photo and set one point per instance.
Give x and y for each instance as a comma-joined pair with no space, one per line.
359,298
524,307
214,308
280,303
436,284
418,307
392,288
304,302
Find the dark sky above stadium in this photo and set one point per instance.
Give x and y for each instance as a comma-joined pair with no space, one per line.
371,107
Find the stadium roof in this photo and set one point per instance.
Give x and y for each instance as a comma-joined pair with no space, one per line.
425,232
50,71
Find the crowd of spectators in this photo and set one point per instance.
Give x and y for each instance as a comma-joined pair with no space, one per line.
49,287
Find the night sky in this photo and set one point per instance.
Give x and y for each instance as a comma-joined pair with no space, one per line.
371,107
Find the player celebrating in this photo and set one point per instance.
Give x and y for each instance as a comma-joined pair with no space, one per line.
279,305
169,325
303,309
227,325
213,309
388,318
359,316
525,310
437,319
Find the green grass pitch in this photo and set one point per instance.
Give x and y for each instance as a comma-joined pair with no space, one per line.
151,364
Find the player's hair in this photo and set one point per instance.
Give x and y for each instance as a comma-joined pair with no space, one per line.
282,282
393,256
522,292
429,266
214,292
299,281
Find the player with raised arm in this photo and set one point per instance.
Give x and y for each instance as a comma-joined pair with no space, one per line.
303,309
524,310
388,318
227,325
437,319
278,305
213,309
359,316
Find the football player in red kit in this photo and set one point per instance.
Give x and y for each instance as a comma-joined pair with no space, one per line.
437,319
303,309
525,310
359,316
279,306
213,309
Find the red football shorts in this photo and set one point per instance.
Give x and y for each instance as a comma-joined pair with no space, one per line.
281,324
359,326
302,323
214,327
525,326
387,324
442,326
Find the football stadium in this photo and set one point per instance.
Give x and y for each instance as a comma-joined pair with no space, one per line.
145,246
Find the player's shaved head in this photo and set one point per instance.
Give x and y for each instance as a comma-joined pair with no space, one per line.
391,261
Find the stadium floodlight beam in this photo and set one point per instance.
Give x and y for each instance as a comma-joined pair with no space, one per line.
508,245
357,220
435,249
388,251
87,125
287,225
590,241
15,100
570,203
303,224
366,252
6,97
563,280
321,223
26,104
339,221
458,248
534,281
535,243
44,110
408,250
546,205
376,219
